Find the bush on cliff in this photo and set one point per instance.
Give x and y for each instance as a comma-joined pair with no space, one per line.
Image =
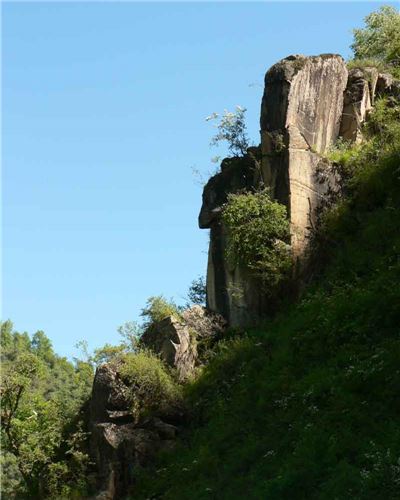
158,308
152,388
258,229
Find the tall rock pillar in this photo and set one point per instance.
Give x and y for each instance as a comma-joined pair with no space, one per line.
301,112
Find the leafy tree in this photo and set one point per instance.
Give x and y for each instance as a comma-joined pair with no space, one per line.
380,38
42,394
42,347
231,129
197,292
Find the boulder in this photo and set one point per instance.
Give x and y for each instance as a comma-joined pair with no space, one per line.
175,342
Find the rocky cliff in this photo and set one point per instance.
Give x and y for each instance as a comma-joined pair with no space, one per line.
308,103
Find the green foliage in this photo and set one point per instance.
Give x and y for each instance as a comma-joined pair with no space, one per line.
380,38
258,231
231,129
152,386
158,308
307,407
381,140
197,292
368,63
41,397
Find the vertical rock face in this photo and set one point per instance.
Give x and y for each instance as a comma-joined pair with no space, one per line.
300,119
301,114
231,291
308,103
358,101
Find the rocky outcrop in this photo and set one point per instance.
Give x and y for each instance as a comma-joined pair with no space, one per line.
301,113
300,119
120,445
387,86
231,290
123,442
122,449
358,100
175,342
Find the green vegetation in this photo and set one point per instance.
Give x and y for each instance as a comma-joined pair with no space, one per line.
378,43
258,235
307,406
197,292
42,423
232,130
158,308
303,407
152,386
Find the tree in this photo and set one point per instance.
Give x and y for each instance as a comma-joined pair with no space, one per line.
197,292
232,129
380,38
42,395
42,347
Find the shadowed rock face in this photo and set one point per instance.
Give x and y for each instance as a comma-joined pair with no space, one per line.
120,445
237,174
301,112
231,291
358,101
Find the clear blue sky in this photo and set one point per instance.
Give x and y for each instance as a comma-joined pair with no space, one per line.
103,118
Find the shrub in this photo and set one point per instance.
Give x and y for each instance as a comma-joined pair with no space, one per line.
258,231
152,388
158,308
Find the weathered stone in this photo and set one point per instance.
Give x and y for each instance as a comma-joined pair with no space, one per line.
384,84
206,324
237,174
175,343
119,450
387,86
109,393
358,100
121,444
231,291
300,119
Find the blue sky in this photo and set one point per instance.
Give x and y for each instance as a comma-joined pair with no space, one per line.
104,108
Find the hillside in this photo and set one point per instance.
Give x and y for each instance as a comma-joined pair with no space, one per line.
279,377
307,405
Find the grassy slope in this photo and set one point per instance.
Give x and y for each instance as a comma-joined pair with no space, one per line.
308,406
